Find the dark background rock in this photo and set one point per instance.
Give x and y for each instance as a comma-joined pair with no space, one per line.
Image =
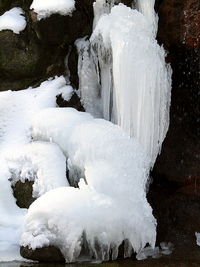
175,192
45,254
23,194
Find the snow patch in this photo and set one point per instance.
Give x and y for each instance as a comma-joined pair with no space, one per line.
18,157
13,20
46,8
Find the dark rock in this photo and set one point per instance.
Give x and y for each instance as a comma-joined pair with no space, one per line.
74,102
45,254
23,194
175,192
180,157
4,5
177,211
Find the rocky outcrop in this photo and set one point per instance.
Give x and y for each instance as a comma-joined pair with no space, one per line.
45,254
175,191
180,33
23,194
39,51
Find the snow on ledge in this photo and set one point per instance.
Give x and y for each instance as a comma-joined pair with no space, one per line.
46,8
13,20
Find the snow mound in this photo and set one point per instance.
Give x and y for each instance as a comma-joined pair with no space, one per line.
20,106
46,8
13,20
111,166
42,163
46,160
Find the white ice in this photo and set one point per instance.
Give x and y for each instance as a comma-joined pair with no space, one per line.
13,20
16,111
112,166
45,8
40,162
128,76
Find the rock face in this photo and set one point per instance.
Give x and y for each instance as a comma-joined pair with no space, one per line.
45,254
39,51
175,192
23,194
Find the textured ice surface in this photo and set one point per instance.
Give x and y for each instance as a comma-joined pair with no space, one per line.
13,20
110,204
45,8
40,162
123,72
18,157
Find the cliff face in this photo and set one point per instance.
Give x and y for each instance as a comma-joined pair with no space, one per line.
39,53
177,171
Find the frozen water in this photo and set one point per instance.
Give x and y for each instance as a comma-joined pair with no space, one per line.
40,162
19,157
106,158
128,75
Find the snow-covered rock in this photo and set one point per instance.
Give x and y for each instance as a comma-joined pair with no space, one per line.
45,8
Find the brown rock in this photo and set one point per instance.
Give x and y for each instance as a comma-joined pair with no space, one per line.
23,194
45,254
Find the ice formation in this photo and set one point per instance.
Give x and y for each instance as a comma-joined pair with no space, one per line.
16,155
40,162
104,157
197,238
45,8
13,20
123,73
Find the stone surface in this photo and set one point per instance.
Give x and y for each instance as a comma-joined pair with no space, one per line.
45,254
175,192
23,194
180,157
39,51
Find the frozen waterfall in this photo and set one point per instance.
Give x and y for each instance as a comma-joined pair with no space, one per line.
123,74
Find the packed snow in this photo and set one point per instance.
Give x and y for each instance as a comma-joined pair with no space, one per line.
13,20
104,157
123,75
46,8
19,159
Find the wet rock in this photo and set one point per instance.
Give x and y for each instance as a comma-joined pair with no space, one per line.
45,254
178,31
179,22
177,211
23,194
4,5
74,102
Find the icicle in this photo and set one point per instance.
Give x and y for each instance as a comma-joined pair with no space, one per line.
146,7
130,81
102,7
